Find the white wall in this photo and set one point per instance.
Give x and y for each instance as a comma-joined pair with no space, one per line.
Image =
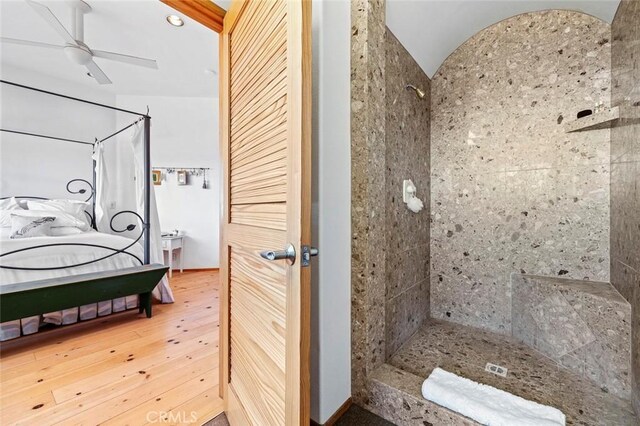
184,133
331,274
42,167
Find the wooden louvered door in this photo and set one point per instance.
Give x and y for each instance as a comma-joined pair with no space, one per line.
265,92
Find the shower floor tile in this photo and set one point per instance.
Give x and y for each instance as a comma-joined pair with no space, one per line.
466,351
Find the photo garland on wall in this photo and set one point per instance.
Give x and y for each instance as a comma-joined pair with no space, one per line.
156,177
182,177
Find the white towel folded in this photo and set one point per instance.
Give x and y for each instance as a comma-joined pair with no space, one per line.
486,404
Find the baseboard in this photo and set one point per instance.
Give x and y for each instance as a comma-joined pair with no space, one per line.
335,416
198,270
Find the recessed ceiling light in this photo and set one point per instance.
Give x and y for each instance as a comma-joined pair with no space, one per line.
175,20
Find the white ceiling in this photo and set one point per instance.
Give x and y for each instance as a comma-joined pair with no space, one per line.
134,28
432,29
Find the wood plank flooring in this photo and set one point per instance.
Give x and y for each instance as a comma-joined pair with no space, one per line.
123,369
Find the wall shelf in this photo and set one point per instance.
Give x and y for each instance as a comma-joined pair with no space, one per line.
603,119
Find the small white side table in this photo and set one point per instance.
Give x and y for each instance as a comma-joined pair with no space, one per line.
169,245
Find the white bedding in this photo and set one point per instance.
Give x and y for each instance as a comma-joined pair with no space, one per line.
63,256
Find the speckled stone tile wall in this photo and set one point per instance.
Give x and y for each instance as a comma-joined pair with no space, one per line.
625,172
625,147
511,191
390,245
635,349
407,157
367,192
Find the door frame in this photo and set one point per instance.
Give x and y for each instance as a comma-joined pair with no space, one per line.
209,14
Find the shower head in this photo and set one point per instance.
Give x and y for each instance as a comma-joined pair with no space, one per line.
420,93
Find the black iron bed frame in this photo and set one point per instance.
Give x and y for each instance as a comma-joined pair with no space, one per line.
114,228
21,300
90,188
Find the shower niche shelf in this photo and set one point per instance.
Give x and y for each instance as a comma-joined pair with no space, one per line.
603,119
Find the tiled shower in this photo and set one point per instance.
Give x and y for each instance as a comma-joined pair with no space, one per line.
527,254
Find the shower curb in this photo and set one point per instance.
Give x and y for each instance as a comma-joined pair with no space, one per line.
395,395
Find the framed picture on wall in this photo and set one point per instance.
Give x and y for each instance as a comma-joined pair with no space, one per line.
182,177
156,177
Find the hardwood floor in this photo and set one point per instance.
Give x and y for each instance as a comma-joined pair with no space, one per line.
123,369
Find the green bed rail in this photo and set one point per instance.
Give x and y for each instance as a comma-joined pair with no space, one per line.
31,298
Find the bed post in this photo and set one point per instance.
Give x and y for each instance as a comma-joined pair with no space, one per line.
94,188
147,189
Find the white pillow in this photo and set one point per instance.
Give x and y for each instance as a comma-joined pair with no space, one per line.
62,218
73,207
7,206
27,227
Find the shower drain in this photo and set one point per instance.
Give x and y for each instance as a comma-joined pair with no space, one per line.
496,369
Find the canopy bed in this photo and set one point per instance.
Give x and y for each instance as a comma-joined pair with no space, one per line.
67,259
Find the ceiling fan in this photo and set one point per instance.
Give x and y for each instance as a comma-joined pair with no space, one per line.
75,48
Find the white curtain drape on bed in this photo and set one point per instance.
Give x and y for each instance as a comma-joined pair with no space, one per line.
101,190
162,291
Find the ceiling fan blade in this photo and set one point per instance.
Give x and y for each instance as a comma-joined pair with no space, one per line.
51,19
134,60
30,43
97,73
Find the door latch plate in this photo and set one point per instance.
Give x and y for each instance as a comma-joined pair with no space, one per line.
306,256
307,253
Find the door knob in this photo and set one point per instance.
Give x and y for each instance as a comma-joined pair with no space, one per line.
289,254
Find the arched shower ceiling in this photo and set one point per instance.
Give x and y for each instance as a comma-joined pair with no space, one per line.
431,30
539,31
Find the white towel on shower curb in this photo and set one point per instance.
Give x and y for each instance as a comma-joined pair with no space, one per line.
486,404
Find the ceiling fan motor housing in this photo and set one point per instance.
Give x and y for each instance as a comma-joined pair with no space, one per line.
81,55
81,5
